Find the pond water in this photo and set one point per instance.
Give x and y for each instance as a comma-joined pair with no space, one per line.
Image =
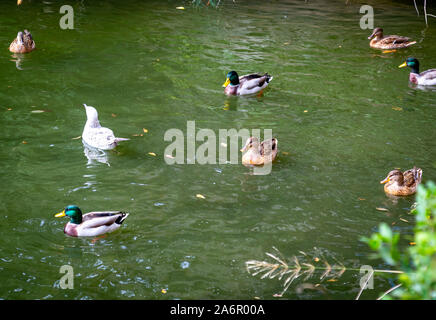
344,115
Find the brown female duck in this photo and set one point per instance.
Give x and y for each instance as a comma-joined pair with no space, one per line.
398,183
378,41
23,43
259,153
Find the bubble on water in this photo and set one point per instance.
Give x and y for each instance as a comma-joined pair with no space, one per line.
184,265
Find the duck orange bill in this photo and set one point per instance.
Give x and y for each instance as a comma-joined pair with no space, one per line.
60,214
384,181
226,83
403,65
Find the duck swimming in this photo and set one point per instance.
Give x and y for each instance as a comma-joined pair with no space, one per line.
378,41
259,153
91,224
23,43
425,78
96,136
398,183
248,84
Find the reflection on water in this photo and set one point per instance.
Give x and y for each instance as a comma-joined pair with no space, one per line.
95,155
17,58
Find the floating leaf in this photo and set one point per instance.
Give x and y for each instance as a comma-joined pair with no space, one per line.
200,196
397,108
9,109
381,209
404,220
164,291
285,153
38,111
180,8
305,111
389,51
76,138
412,243
361,199
152,154
24,142
145,130
19,2
114,115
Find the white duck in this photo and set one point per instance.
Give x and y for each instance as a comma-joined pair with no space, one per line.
96,136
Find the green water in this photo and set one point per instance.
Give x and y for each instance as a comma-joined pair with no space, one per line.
148,65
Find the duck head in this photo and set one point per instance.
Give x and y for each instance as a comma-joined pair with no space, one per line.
411,62
252,142
394,176
73,212
92,116
231,78
376,33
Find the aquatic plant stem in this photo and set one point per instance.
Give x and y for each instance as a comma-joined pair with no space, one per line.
389,291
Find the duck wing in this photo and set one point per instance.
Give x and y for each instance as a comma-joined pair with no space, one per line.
269,148
428,74
101,138
394,40
412,177
103,218
251,81
28,40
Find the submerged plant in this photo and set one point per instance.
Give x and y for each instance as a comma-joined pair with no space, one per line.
297,268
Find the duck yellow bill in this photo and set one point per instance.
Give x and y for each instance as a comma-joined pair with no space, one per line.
60,214
384,181
403,65
226,83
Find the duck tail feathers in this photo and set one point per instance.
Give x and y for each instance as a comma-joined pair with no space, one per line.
418,174
123,216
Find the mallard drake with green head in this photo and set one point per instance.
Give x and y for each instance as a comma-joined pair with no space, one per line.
23,43
425,78
398,183
248,84
259,153
378,41
91,224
